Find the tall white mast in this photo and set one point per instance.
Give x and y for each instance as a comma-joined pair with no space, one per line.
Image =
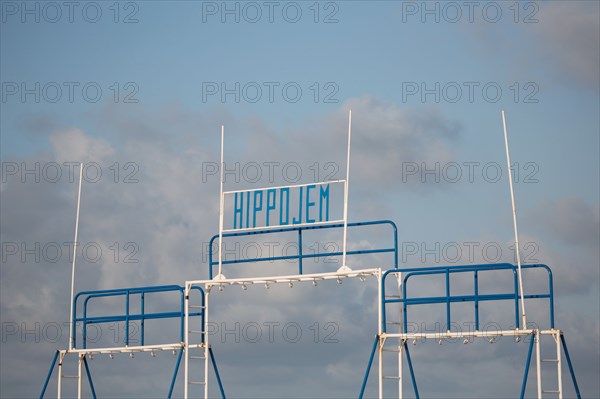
346,190
514,211
71,335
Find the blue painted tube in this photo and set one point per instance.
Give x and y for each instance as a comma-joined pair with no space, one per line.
364,383
527,363
412,372
448,321
49,374
551,290
142,320
300,252
134,317
85,318
212,262
175,374
306,256
404,309
181,322
564,345
383,303
89,376
214,363
127,319
476,290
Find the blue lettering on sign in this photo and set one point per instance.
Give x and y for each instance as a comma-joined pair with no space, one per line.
261,203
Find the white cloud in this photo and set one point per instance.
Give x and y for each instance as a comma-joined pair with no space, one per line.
73,145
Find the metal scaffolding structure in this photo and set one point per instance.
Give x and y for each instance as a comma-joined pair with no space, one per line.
190,308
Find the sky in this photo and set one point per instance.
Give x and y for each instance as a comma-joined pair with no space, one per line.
138,91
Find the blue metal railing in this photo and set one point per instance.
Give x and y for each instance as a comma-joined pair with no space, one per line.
300,255
476,298
128,317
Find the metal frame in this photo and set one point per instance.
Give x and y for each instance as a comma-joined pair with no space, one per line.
182,314
187,312
404,301
300,255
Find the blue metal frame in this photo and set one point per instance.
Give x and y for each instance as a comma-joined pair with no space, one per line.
477,297
86,296
128,317
300,256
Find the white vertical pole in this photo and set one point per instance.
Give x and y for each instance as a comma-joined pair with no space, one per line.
206,354
379,333
400,343
222,202
71,338
514,211
400,349
187,340
538,362
79,375
559,364
61,358
346,189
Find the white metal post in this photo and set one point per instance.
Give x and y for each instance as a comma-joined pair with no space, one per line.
81,355
514,211
400,343
71,338
400,370
205,335
538,362
61,357
186,340
346,189
559,364
380,332
221,202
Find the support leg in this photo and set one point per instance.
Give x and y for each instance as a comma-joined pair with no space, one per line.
564,345
364,383
49,374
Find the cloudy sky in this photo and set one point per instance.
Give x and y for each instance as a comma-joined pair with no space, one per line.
138,91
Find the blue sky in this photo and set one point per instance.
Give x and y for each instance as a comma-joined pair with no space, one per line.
161,69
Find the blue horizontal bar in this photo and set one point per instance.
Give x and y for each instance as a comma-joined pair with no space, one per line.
461,298
305,256
145,316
